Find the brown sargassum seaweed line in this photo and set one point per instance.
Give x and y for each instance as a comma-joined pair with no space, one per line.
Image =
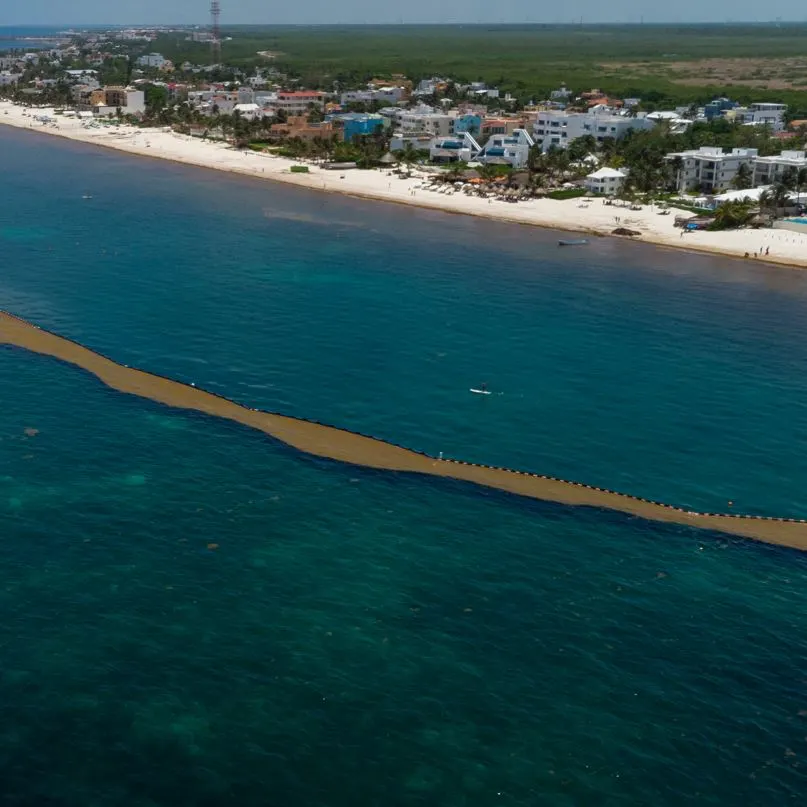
358,449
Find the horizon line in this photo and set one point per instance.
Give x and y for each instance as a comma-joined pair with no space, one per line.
396,24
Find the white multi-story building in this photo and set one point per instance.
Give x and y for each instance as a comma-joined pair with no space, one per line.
558,129
434,124
709,169
512,149
199,36
420,142
762,114
481,90
75,76
672,119
106,101
563,94
298,102
460,148
769,170
387,95
152,60
428,86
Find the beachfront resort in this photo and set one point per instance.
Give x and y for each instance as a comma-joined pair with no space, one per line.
716,166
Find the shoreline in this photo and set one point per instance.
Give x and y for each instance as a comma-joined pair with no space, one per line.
331,442
593,218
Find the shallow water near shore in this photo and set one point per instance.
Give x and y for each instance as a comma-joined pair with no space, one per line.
211,618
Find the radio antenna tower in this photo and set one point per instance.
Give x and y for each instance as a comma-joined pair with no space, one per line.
215,42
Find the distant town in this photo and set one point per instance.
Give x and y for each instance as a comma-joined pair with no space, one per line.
743,163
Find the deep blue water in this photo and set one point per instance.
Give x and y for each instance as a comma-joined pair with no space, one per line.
194,614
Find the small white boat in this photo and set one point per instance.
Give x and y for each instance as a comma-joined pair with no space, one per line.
480,391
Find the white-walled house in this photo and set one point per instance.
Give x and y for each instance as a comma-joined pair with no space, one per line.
606,181
676,123
248,111
419,141
507,149
458,148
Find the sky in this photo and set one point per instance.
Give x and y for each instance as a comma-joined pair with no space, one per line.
63,12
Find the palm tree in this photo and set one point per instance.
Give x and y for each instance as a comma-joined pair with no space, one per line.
732,214
676,164
554,163
559,160
456,170
488,172
536,164
743,179
774,199
790,177
241,130
408,154
581,147
608,148
801,180
225,124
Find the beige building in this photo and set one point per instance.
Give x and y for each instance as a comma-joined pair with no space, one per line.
107,101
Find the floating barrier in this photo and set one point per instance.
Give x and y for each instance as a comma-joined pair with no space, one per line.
332,442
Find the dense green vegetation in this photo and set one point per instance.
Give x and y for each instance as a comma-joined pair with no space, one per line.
526,60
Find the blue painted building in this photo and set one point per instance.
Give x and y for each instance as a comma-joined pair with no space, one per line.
359,124
468,123
714,109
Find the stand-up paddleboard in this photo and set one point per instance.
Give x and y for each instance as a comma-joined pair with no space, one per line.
480,391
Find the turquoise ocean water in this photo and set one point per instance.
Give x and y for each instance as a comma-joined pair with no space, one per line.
196,615
25,37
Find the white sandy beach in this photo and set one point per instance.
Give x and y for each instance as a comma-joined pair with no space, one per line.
789,248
